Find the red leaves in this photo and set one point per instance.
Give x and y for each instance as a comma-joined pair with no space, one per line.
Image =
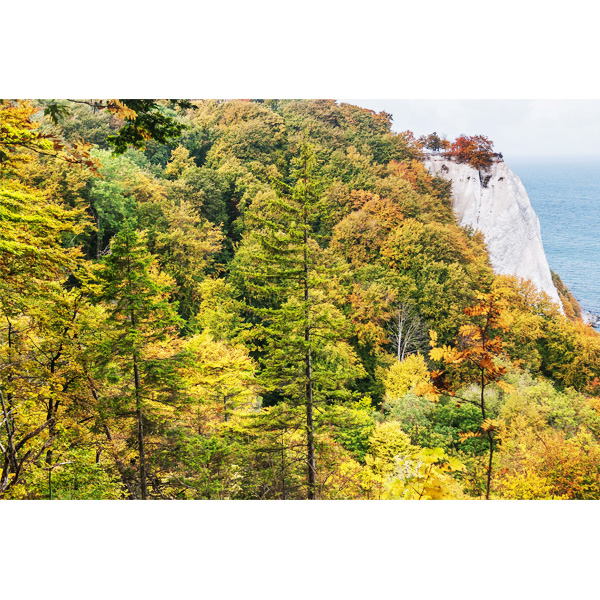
475,150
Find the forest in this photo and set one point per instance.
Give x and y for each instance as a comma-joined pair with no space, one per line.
269,299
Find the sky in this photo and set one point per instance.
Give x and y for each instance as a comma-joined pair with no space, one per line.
520,129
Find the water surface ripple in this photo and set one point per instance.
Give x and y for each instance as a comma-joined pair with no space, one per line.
566,197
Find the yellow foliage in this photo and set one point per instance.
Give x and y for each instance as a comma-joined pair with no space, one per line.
506,387
491,425
340,476
528,485
425,476
536,461
402,377
220,379
398,470
446,353
433,338
180,162
386,443
21,136
117,108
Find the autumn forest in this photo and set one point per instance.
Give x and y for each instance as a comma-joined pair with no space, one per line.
269,299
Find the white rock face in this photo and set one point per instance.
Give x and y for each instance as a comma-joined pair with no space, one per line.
496,203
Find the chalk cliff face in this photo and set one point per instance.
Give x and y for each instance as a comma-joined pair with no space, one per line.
495,202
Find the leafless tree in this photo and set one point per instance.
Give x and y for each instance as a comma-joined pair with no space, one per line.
406,330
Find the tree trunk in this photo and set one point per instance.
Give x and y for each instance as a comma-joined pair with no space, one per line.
98,238
489,473
400,353
140,428
10,454
138,399
310,442
490,438
125,478
283,490
52,407
10,461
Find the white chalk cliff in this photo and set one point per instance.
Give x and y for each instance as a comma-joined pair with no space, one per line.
495,202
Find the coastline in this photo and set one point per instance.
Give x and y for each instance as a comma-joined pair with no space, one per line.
590,318
565,195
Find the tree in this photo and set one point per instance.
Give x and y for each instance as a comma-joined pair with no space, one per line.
38,317
301,333
475,150
140,320
434,142
549,445
219,312
403,376
143,119
21,137
220,377
476,359
435,259
186,248
386,444
406,330
424,474
218,392
300,275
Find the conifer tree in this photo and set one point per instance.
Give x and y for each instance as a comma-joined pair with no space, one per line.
305,358
140,316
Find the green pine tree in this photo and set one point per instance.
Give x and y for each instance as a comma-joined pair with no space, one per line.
141,328
289,278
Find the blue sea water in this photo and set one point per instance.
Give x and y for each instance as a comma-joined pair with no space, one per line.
565,194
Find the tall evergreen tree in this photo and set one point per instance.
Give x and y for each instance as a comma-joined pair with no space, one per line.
305,358
140,317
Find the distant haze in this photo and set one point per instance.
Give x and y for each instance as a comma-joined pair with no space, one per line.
520,129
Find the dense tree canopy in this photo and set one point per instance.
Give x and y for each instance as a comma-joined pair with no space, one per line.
269,299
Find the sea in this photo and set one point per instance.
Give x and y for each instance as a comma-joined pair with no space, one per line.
565,194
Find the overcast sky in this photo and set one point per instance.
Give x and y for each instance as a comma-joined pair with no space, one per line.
520,129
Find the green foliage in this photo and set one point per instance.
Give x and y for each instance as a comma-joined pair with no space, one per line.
139,336
205,468
220,311
220,308
434,142
79,122
353,425
82,477
144,120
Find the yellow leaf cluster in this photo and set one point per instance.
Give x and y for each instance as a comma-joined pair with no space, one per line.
117,108
404,376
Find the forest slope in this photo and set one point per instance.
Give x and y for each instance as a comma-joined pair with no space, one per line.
268,299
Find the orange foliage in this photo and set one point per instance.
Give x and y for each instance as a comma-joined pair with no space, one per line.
548,465
360,235
475,150
415,173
